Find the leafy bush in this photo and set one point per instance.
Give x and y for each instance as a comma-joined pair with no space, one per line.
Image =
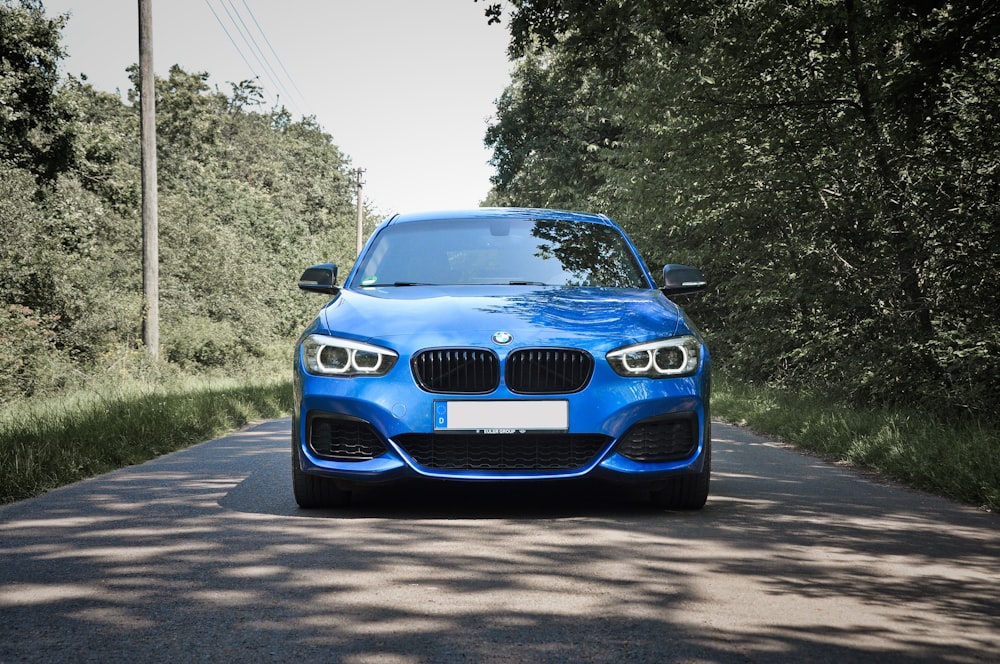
196,341
25,338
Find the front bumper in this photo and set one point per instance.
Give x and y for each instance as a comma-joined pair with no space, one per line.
382,429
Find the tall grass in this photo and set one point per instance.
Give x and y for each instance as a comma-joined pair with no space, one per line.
47,444
958,458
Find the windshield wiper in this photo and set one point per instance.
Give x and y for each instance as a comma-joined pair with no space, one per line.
398,283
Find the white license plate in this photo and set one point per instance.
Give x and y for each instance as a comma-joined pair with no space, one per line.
501,416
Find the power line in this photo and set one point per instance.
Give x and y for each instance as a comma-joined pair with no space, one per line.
231,40
240,32
251,42
267,62
276,56
236,20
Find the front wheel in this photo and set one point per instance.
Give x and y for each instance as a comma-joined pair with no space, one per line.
688,492
312,491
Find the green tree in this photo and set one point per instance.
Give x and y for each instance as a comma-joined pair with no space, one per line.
248,197
827,162
552,128
24,331
34,132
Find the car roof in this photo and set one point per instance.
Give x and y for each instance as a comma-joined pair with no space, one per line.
501,212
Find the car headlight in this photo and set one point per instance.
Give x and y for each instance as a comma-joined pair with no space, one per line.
330,356
666,358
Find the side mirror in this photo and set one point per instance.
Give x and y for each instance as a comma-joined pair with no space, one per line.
320,279
681,279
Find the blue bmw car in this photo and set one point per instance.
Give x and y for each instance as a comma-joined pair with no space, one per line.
501,344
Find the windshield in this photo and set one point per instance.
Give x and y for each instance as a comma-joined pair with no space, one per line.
500,251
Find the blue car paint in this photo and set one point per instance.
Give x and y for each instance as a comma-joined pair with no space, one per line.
414,318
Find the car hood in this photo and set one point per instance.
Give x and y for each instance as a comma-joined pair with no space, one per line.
470,315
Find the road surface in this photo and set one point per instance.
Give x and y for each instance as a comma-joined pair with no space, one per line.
202,555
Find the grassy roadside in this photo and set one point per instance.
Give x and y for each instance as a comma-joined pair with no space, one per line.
52,443
58,441
958,459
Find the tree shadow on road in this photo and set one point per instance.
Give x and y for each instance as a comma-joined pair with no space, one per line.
203,555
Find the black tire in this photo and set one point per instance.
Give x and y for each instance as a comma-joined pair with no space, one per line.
688,492
312,491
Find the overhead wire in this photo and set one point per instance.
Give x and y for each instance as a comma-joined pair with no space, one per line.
236,20
251,42
276,56
231,40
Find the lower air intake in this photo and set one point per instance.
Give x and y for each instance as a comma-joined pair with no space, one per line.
657,441
344,439
503,452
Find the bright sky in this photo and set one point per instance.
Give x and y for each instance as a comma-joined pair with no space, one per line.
405,87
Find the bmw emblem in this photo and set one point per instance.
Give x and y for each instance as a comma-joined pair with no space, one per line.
502,338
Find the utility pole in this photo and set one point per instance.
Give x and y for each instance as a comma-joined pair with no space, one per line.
359,181
147,137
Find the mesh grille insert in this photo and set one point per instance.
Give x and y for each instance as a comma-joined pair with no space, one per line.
548,370
457,370
660,440
503,452
344,439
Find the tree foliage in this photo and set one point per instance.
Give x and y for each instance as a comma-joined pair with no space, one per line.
247,197
34,133
831,164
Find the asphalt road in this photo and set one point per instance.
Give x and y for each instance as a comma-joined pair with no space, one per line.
202,555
